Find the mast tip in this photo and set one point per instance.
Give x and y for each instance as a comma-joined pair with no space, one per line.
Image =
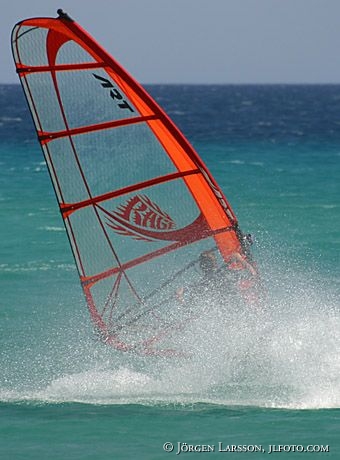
63,15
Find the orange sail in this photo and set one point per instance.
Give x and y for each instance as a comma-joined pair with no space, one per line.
137,201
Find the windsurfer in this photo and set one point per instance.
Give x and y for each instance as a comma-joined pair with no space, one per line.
231,277
246,241
208,264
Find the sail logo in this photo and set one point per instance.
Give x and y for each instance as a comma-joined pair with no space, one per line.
140,218
114,93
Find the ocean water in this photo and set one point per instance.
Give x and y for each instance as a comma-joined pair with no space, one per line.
272,380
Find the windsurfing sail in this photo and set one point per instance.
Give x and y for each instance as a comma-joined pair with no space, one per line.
138,203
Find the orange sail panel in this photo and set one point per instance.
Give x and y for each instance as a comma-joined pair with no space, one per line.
138,203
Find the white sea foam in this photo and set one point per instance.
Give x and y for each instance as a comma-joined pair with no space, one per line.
257,163
177,112
34,266
236,162
52,229
10,119
329,206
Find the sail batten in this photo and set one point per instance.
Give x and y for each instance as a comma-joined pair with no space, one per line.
47,136
68,208
21,69
139,205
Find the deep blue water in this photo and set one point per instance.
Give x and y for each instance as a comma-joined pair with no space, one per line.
275,151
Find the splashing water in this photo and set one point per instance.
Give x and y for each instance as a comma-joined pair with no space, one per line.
284,355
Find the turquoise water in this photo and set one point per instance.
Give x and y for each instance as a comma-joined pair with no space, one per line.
134,431
273,380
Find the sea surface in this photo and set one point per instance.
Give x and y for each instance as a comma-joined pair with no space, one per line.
275,151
